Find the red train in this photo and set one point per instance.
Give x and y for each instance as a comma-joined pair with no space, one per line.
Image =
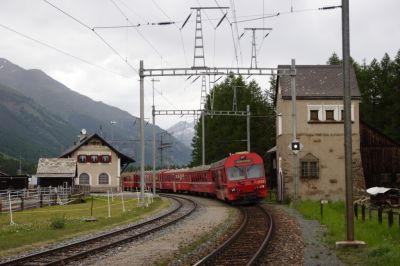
237,178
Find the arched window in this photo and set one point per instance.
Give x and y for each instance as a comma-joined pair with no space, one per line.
103,179
84,179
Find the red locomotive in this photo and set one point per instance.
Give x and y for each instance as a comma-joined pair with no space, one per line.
237,178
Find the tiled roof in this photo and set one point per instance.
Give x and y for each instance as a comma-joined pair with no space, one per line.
318,81
56,167
124,158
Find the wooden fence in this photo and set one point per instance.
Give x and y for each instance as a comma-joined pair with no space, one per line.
360,212
19,200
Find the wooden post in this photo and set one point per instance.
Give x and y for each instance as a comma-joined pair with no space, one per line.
380,214
91,208
22,203
321,209
108,200
55,195
356,210
40,199
390,218
363,213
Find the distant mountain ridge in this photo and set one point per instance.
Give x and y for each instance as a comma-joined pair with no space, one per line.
183,131
44,114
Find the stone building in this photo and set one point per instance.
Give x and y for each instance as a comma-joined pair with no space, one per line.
320,130
99,164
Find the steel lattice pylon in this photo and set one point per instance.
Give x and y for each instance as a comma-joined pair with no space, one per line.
198,59
203,98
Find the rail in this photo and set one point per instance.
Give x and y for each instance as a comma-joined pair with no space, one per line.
227,253
86,248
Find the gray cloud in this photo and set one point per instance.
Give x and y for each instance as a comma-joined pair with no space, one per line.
310,37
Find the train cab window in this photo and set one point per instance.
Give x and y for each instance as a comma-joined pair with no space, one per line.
254,171
236,173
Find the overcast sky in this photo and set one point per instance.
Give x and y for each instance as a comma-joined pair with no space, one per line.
309,35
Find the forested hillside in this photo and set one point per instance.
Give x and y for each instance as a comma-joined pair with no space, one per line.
226,135
379,83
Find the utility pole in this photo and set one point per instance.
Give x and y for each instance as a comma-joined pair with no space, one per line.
253,44
141,75
248,127
294,130
164,145
203,140
347,120
154,140
350,242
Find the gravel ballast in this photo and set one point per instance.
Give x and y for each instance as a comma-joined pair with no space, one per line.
298,241
164,246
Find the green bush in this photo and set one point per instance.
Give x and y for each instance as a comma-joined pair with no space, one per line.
57,221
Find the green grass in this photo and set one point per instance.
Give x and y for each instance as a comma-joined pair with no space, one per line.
383,242
49,224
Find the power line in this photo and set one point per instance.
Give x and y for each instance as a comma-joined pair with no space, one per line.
131,10
180,32
287,13
140,34
102,39
92,30
58,50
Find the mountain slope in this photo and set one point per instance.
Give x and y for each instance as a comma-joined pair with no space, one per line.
80,111
29,129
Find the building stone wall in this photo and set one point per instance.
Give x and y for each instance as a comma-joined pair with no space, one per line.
324,140
95,169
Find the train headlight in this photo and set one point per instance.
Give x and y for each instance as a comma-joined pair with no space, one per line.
261,186
233,189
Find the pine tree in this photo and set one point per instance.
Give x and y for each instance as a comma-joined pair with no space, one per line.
227,134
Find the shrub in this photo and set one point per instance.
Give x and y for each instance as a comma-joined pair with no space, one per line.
57,221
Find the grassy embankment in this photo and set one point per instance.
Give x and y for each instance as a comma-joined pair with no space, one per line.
49,224
383,243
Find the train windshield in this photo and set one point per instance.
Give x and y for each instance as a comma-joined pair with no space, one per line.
255,171
241,172
236,173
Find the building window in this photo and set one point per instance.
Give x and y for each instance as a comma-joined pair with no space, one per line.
82,158
329,115
314,115
84,179
95,142
342,115
309,166
103,179
94,158
279,128
105,158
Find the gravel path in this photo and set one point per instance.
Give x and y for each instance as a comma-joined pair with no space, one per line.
313,252
163,245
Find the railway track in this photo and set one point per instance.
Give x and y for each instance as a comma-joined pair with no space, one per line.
246,245
89,247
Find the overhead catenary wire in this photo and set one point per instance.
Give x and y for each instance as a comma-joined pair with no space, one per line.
140,34
104,41
287,13
97,34
58,50
180,32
